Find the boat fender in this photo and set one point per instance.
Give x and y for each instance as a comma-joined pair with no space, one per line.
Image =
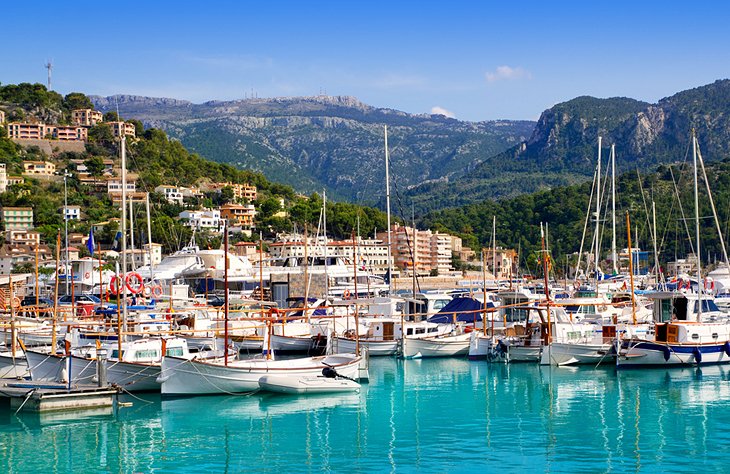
667,353
726,348
329,372
698,355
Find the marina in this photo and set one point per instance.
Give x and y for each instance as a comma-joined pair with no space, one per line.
431,415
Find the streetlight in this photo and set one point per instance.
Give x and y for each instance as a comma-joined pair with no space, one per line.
66,174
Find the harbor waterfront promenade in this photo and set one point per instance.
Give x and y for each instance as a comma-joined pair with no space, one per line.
447,415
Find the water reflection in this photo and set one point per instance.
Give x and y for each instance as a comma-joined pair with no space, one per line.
435,415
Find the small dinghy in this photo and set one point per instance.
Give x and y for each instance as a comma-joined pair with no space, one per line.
329,382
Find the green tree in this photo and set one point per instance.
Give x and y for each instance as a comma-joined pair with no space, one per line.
101,133
94,165
111,117
77,100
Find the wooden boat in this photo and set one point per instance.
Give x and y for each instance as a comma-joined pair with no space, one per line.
12,367
307,384
180,377
137,370
438,346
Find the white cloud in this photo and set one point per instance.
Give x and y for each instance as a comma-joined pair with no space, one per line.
508,73
441,111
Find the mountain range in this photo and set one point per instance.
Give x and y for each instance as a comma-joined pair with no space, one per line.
336,143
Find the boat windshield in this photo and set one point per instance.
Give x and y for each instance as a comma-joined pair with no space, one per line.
707,306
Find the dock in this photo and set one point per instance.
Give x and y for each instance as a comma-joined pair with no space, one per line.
45,397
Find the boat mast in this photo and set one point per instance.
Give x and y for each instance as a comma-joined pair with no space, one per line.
494,248
121,283
614,257
387,205
547,289
656,253
225,295
149,235
324,232
598,211
631,269
697,228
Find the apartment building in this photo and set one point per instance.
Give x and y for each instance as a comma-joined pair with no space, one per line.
86,117
239,215
119,128
27,131
17,218
39,168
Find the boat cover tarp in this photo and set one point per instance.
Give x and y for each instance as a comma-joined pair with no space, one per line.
465,308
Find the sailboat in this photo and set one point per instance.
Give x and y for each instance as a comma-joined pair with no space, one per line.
688,329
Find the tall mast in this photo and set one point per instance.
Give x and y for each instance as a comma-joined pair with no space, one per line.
225,295
494,247
149,233
598,210
697,227
656,253
613,208
131,232
121,284
387,205
324,232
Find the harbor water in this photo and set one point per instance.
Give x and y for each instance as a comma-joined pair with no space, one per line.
447,415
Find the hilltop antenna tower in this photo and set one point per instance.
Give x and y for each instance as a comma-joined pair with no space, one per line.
49,66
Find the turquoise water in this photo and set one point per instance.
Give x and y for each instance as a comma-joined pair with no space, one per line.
425,416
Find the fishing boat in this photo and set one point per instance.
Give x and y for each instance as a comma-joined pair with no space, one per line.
451,345
182,377
688,329
13,366
136,370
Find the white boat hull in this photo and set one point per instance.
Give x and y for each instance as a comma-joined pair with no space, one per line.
374,348
13,367
133,377
446,346
560,353
648,353
293,384
524,353
291,343
181,377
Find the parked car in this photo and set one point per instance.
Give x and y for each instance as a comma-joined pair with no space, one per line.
79,299
28,304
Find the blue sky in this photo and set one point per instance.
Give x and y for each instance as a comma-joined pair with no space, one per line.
475,60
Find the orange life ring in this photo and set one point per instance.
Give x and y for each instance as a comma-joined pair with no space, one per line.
346,294
134,288
157,290
709,284
147,291
87,275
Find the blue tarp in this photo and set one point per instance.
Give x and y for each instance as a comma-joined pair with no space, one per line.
461,307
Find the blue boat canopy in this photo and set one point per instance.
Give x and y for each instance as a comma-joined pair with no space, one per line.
465,308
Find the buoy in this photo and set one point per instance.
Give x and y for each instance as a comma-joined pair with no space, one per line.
698,355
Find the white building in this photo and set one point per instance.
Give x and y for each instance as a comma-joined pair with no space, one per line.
172,194
71,213
114,186
209,219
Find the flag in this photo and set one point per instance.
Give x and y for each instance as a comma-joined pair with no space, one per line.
118,241
90,242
